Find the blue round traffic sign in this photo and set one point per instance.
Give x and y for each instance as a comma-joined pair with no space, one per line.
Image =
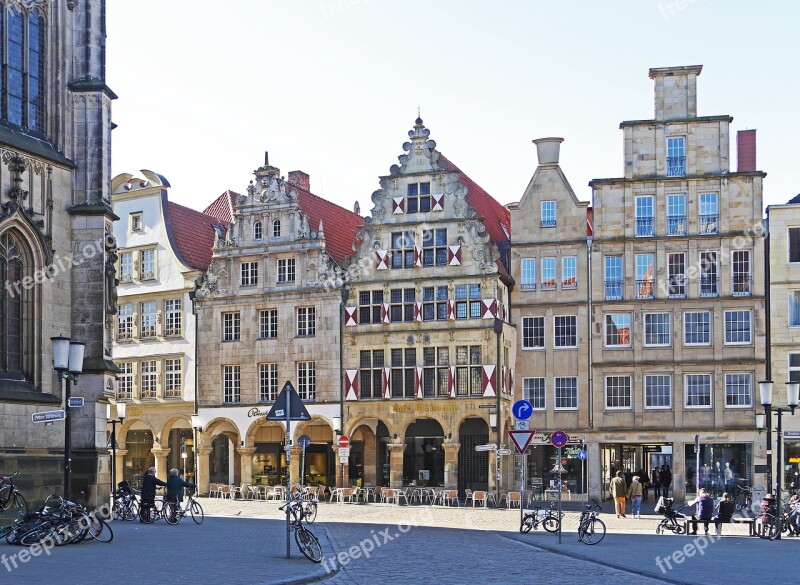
304,440
559,439
582,455
522,409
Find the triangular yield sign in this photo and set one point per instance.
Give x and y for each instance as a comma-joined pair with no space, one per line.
297,410
521,439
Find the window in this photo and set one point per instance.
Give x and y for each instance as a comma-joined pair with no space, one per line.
741,272
794,367
148,320
434,247
468,304
371,373
24,62
267,382
434,303
644,216
794,308
565,331
257,231
276,228
173,317
739,390
173,385
618,330
676,266
533,390
569,272
268,324
436,362
676,215
148,379
125,322
469,371
418,198
533,333
548,213
370,305
231,384
125,381
136,222
709,213
566,393
404,362
148,265
286,270
249,272
698,390
529,274
645,279
126,267
548,273
306,321
230,326
657,329
794,245
613,277
709,274
697,328
658,391
401,307
676,157
402,249
618,392
737,327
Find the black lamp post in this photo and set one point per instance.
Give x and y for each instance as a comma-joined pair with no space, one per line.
68,362
197,427
792,397
121,406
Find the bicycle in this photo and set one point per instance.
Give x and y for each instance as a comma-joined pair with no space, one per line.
591,529
173,511
743,496
309,505
547,518
9,494
126,506
149,513
306,540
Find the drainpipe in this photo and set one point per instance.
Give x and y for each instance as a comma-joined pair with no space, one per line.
589,289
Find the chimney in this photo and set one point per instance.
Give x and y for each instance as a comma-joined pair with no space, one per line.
300,180
675,92
746,151
548,149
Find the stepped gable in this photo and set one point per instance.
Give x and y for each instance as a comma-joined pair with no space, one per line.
340,225
222,207
192,234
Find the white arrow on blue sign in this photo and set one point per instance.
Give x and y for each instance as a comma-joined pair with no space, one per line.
522,409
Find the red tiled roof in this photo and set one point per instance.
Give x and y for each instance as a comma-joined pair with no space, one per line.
222,207
339,224
191,233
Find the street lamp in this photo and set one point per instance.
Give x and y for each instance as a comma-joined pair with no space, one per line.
68,362
121,406
197,427
792,398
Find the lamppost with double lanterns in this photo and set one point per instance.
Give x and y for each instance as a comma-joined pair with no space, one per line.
762,420
68,362
121,406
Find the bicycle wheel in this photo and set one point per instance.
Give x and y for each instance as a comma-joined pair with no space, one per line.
308,544
766,527
592,531
551,524
145,514
527,524
20,504
39,534
5,496
196,511
172,513
119,511
100,530
132,510
311,512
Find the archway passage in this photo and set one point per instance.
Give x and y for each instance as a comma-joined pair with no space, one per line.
423,456
139,455
363,456
473,466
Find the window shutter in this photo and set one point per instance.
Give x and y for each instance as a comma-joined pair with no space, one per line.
437,202
385,315
417,257
386,383
503,379
451,310
417,311
510,381
382,257
454,255
488,381
350,316
398,205
488,308
418,377
351,385
451,381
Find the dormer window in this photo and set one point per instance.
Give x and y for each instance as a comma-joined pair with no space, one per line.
548,213
257,231
418,198
136,222
276,228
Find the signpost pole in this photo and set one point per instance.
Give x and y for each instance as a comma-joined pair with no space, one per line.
583,477
67,441
288,476
522,487
558,467
303,466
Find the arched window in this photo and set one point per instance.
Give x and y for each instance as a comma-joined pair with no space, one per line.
276,228
23,86
257,231
15,339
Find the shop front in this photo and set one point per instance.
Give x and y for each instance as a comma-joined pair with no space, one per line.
718,467
644,460
545,467
791,465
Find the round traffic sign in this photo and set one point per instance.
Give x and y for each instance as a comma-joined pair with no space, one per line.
304,440
563,462
522,409
344,441
582,454
559,439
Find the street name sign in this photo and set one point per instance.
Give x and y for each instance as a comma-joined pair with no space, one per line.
487,447
49,416
75,402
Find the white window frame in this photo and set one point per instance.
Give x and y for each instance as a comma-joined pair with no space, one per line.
555,390
307,381
528,274
530,321
641,202
621,397
286,270
710,329
555,336
148,376
150,318
268,324
231,326
126,267
789,240
549,213
306,321
748,376
686,391
606,331
144,273
750,328
276,228
267,382
125,315
669,330
249,273
647,397
569,271
173,317
794,308
136,222
173,378
539,402
794,370
125,381
258,231
549,273
231,384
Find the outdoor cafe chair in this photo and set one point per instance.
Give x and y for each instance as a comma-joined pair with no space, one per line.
513,499
480,496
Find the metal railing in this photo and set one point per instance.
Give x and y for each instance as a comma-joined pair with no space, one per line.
742,285
676,225
645,289
613,289
644,226
709,286
709,224
676,166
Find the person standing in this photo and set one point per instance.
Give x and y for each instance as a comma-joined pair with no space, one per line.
635,492
665,479
175,486
148,494
619,491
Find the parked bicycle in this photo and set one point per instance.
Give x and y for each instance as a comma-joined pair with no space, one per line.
152,513
10,495
59,522
743,496
549,519
306,541
126,505
309,504
173,512
591,529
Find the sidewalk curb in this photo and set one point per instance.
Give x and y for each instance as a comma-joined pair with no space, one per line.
313,576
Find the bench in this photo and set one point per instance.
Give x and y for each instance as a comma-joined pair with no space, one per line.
751,522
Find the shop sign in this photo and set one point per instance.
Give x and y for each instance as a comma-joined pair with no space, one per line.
254,412
422,407
794,459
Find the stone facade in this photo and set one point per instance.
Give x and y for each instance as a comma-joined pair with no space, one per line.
56,229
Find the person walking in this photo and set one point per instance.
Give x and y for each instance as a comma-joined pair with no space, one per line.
635,494
619,491
704,512
665,479
175,486
148,494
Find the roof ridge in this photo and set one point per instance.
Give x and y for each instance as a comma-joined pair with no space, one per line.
327,201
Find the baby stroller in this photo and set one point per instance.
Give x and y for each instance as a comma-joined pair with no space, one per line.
673,519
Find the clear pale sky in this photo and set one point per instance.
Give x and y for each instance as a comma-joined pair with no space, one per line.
332,87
